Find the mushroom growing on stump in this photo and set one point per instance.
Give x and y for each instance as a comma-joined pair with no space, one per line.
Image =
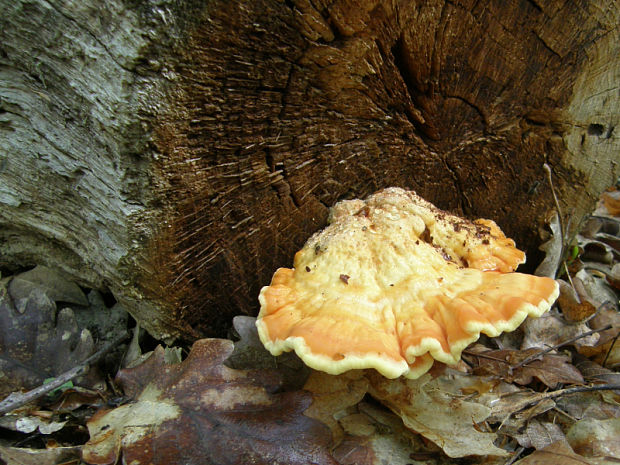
394,283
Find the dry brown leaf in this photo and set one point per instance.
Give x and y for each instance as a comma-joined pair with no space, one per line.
595,250
332,394
35,342
26,456
598,288
595,438
76,397
105,323
611,201
575,306
592,405
540,434
200,411
552,248
555,454
375,436
592,371
504,406
551,330
607,348
551,369
614,276
446,419
38,422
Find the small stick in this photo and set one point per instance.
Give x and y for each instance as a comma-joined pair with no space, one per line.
566,414
538,354
574,389
520,405
515,456
483,355
549,349
557,206
18,400
610,349
603,306
570,280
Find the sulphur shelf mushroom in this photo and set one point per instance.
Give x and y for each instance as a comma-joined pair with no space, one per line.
394,283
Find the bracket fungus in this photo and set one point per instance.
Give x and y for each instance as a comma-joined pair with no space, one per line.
394,283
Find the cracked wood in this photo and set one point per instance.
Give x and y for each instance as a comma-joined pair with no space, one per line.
183,152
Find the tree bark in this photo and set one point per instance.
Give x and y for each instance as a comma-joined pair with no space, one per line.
177,153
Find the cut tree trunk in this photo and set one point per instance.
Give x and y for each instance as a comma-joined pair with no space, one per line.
177,153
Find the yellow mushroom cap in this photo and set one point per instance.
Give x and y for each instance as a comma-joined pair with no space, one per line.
394,283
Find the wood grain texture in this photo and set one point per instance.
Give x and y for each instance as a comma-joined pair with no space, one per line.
178,154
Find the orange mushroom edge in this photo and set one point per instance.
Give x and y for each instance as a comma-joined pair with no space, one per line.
394,283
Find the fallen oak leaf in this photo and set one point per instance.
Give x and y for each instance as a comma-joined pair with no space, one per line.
606,351
376,436
611,202
598,288
595,438
552,330
540,353
29,424
50,456
540,434
507,404
594,372
597,250
512,402
551,369
333,394
446,419
599,405
37,342
517,425
574,301
614,276
553,248
16,400
553,454
200,411
76,397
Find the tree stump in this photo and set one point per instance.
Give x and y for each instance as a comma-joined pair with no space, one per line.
177,153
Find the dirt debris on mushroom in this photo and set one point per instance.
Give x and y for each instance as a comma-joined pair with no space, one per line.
421,285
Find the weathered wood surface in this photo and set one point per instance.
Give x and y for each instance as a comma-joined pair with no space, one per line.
177,153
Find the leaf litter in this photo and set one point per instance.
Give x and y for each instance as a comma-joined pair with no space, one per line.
200,411
528,397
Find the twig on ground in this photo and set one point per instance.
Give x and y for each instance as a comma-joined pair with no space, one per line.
570,281
515,456
535,399
610,349
566,414
557,346
559,211
483,355
603,306
18,400
539,353
574,389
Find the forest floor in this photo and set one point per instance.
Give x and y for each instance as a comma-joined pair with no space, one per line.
547,393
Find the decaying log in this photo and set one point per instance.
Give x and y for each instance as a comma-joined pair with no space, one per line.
177,153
